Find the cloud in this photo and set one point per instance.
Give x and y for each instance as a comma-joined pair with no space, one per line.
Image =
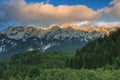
98,24
47,1
83,23
30,13
114,12
108,24
114,2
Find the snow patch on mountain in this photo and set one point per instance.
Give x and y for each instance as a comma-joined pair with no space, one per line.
0,49
48,46
30,49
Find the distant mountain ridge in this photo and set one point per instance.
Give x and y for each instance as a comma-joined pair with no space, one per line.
65,37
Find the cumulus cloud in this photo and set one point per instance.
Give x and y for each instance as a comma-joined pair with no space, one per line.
114,12
39,13
20,11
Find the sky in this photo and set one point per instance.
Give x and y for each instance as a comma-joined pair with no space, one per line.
90,3
47,12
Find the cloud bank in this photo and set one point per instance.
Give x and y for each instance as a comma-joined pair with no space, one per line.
20,11
45,14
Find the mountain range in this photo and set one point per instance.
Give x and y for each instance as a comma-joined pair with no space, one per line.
65,37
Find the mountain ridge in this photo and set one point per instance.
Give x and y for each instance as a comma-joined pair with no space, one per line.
86,28
66,37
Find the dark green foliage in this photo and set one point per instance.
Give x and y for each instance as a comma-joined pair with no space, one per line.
33,72
31,64
83,74
69,74
41,59
98,60
99,53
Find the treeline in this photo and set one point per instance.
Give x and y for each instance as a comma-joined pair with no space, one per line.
30,64
44,60
103,52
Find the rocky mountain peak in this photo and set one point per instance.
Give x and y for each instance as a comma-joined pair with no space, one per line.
71,29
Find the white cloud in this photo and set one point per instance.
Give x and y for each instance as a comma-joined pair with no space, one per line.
20,11
98,24
40,13
114,12
114,2
82,23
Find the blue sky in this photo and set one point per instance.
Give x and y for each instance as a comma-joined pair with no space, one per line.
47,12
94,4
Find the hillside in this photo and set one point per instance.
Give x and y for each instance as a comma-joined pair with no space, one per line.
101,52
98,60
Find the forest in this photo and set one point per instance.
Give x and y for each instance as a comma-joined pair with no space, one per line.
98,60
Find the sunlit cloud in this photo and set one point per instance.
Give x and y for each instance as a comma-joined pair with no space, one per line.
45,14
114,11
20,11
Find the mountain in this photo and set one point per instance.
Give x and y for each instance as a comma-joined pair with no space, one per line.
65,37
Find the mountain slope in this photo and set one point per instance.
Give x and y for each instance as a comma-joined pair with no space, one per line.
101,52
66,37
